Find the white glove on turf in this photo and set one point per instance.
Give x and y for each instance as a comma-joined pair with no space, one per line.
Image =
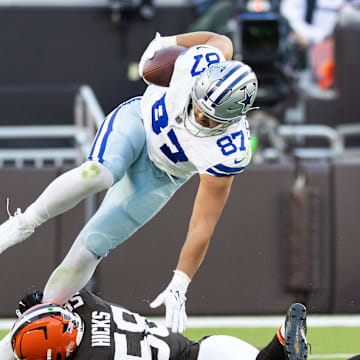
156,44
173,297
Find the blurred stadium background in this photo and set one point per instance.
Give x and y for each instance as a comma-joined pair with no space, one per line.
290,229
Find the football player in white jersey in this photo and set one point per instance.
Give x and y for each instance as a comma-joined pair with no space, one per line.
143,152
88,327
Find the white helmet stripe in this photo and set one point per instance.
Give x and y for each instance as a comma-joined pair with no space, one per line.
226,84
27,318
236,81
219,82
34,314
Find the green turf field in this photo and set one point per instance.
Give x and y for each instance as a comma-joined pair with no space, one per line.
324,341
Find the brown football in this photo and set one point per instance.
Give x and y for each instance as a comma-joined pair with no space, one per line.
158,70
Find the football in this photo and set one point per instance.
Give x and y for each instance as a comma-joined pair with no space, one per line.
158,70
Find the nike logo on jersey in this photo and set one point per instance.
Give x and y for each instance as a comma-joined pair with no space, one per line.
237,161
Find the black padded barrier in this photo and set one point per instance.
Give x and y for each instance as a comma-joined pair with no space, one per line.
346,178
26,266
246,268
320,232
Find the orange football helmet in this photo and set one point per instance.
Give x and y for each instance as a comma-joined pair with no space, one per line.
46,332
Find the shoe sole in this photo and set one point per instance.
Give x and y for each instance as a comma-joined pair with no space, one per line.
295,342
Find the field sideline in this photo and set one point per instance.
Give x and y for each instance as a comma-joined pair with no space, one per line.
331,337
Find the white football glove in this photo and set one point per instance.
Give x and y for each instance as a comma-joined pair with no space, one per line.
173,297
156,44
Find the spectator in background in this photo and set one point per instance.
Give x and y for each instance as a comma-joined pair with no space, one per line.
202,6
312,23
213,15
121,10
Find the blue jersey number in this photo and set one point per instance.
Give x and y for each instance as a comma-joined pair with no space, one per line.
159,115
160,120
176,156
210,58
226,143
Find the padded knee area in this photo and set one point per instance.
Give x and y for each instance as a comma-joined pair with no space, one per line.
104,232
96,176
98,244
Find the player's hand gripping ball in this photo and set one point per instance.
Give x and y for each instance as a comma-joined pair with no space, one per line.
159,69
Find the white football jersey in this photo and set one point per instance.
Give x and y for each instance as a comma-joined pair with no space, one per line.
170,145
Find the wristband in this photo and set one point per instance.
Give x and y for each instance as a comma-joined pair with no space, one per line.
180,280
167,41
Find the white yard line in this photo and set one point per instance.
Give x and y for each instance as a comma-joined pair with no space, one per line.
6,324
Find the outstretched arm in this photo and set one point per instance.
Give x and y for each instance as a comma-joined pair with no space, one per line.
209,203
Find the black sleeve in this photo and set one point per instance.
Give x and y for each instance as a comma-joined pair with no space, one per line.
30,300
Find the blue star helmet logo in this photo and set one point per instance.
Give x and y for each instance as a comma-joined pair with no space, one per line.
247,100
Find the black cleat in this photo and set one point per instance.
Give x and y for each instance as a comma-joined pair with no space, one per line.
296,347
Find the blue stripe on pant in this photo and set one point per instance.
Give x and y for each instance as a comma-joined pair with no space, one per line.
142,191
120,139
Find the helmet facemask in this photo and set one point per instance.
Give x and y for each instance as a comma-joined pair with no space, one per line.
195,128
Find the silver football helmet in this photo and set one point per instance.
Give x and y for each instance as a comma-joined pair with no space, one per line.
224,92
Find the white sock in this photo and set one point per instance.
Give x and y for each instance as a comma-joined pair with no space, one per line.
68,190
72,274
6,351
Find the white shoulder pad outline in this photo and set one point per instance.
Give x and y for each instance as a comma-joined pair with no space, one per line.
232,166
221,170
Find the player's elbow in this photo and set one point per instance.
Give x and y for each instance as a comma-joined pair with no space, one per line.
228,48
223,43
